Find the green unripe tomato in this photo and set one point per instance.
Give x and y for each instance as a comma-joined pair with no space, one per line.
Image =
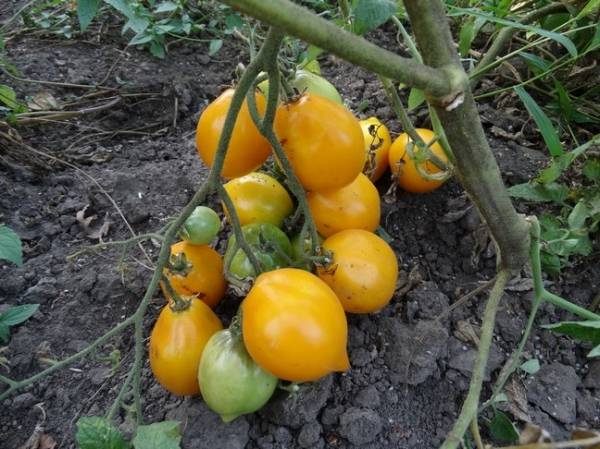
305,81
201,227
301,247
312,66
231,383
270,245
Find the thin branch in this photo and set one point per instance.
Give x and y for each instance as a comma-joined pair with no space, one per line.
302,23
560,445
469,408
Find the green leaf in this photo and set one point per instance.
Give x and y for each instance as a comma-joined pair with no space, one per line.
17,314
532,191
560,163
214,46
578,216
543,122
591,169
594,352
560,38
165,7
10,246
8,96
502,428
551,263
86,11
369,14
160,435
531,366
581,330
233,21
589,8
467,33
416,98
4,333
157,49
94,432
536,64
139,39
135,21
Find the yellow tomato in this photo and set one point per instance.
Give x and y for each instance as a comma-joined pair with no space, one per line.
294,326
176,344
377,145
404,166
247,149
322,140
355,206
198,272
259,198
364,270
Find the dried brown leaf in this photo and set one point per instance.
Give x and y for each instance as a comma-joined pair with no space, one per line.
584,434
43,101
467,332
46,442
517,399
533,434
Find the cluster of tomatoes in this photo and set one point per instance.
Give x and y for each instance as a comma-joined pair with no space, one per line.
291,325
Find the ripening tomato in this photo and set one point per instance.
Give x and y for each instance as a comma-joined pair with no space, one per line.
176,344
259,198
201,227
231,383
377,145
196,270
294,326
306,81
247,150
355,206
322,140
364,270
404,166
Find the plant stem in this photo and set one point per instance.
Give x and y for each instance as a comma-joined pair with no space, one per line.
469,408
266,128
302,23
476,167
475,432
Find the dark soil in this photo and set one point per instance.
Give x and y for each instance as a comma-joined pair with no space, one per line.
409,371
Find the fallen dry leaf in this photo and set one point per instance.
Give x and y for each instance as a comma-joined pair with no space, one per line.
584,434
93,232
533,434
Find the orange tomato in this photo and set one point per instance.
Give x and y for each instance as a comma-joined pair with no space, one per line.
377,146
199,272
247,149
355,206
176,344
259,198
322,140
364,270
294,326
404,166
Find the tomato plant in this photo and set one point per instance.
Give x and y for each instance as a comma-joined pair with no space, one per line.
322,140
259,198
355,206
196,270
176,344
247,150
405,168
364,270
201,227
231,383
270,245
377,146
294,326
